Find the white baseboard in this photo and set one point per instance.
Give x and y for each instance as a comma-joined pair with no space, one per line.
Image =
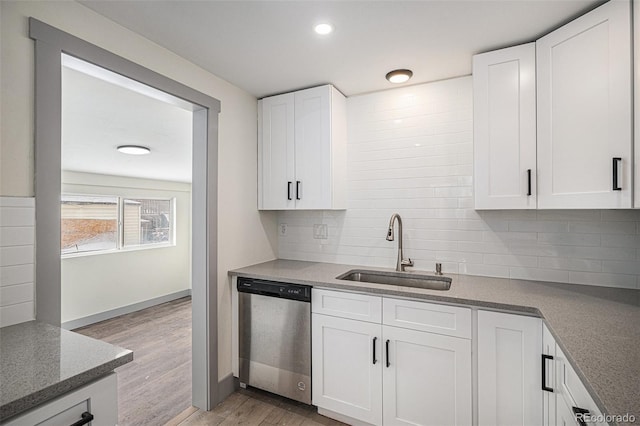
92,319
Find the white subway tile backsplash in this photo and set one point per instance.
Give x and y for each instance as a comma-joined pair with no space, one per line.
566,239
603,227
18,293
539,274
17,236
510,260
585,265
20,274
605,280
16,255
410,150
17,243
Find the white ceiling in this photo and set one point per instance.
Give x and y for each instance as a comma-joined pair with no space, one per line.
101,111
268,47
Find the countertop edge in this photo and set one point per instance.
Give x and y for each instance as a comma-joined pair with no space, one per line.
21,405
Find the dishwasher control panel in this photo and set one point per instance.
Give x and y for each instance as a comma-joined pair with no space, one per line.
275,289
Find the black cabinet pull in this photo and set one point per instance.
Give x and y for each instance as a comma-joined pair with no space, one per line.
579,413
616,161
86,417
374,350
387,350
297,190
528,181
544,373
289,190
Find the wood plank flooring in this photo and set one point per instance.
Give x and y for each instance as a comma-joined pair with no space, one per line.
156,386
254,407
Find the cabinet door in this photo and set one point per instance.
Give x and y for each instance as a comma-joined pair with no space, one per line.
504,128
509,370
564,415
636,100
276,183
427,378
313,148
584,111
548,375
347,362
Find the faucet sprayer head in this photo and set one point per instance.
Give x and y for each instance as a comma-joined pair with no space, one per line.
390,234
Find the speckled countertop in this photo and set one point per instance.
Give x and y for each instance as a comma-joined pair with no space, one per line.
39,362
598,328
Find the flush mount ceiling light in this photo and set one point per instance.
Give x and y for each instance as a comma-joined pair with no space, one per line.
399,76
133,149
323,28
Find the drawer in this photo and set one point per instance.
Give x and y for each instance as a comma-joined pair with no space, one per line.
347,305
99,398
571,388
430,317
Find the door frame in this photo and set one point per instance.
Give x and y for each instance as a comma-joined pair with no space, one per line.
50,44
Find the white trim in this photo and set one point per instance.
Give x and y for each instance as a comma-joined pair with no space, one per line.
102,316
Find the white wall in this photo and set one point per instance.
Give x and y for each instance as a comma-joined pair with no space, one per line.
17,218
96,283
410,151
245,236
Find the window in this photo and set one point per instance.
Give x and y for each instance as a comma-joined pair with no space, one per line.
101,223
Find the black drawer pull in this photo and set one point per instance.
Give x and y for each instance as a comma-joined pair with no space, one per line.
374,350
544,372
579,413
289,190
387,346
528,182
297,190
87,417
616,161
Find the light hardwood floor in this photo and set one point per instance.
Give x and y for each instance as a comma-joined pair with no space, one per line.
254,407
156,386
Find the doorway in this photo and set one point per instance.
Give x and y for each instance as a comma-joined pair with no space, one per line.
126,232
50,44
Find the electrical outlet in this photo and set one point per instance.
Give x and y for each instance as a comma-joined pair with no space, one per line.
283,229
320,231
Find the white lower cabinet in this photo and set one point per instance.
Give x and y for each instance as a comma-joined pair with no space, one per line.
509,369
406,362
346,373
98,400
365,372
427,378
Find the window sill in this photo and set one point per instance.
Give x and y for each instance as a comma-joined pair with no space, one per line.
122,250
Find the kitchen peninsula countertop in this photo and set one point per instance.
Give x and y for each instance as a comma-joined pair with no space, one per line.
598,328
39,362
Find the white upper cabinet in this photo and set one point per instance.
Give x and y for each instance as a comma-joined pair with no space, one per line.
584,111
302,150
276,152
504,133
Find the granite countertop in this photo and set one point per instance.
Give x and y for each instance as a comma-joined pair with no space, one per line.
39,362
598,328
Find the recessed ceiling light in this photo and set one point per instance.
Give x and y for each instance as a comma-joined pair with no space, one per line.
399,76
133,149
323,29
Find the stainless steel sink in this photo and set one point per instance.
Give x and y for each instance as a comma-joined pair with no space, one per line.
430,282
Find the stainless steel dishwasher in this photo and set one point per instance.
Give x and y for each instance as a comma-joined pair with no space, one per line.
275,337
